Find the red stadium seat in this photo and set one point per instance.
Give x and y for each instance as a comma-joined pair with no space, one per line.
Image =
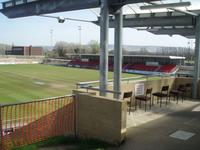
94,64
142,67
167,68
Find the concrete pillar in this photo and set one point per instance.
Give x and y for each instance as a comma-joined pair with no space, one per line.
197,59
104,25
118,52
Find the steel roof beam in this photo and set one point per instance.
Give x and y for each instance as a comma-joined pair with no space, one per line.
168,5
187,32
155,21
185,12
190,37
164,14
13,10
46,6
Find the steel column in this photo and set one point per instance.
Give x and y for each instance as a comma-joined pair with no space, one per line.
197,59
118,52
104,29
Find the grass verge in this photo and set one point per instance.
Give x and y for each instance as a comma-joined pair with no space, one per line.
65,141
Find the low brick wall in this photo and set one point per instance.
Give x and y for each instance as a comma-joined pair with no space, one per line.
158,83
183,80
100,118
155,84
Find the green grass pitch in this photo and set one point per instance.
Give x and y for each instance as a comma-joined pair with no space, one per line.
19,83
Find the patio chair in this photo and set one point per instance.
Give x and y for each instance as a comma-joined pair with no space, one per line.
129,97
179,92
145,98
188,88
160,95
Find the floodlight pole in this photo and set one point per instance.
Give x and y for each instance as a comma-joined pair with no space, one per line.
104,29
80,29
197,59
51,38
118,52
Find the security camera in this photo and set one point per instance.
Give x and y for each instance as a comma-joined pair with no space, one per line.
61,19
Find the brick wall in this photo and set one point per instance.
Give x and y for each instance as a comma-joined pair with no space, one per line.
100,118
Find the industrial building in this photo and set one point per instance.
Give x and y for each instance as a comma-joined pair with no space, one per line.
25,51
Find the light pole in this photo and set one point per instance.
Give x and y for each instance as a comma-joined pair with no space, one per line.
51,38
189,44
80,29
193,43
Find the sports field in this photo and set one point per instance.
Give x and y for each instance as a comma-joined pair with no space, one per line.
29,82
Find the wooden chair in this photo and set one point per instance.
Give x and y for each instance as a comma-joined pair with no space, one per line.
177,93
164,93
145,98
129,97
186,89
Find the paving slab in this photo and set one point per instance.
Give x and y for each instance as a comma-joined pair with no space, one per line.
139,116
154,134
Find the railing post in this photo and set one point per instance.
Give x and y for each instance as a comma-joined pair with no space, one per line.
75,113
1,130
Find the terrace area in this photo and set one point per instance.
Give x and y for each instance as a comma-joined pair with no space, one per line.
173,126
170,128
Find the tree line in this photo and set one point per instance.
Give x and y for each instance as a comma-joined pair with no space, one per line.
3,48
62,49
188,53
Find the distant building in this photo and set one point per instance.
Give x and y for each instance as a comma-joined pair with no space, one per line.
25,51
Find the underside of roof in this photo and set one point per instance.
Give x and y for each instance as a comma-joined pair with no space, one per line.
160,23
21,8
171,22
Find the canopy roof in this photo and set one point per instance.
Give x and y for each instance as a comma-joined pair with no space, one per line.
22,8
161,23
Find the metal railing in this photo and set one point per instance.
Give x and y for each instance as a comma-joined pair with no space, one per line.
21,57
30,122
99,90
94,85
91,83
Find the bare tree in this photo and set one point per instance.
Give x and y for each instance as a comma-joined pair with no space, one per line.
95,47
3,48
62,48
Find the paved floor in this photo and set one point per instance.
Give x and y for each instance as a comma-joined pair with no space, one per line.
139,116
154,134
